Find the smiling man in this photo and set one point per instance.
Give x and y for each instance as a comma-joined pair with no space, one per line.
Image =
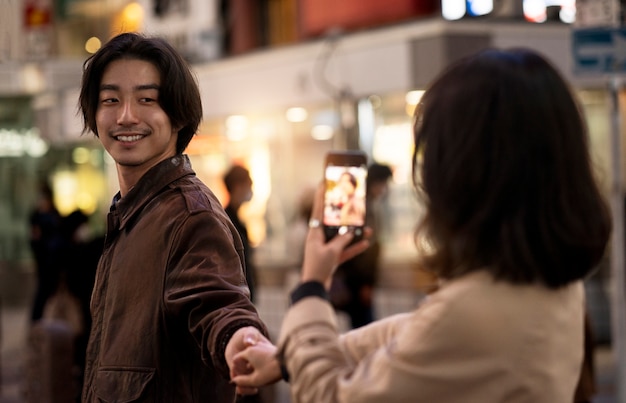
170,304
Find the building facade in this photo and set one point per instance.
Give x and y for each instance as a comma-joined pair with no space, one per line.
282,82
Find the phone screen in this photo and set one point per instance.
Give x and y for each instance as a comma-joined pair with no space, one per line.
344,201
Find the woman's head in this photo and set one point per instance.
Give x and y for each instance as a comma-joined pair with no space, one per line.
179,96
502,159
348,183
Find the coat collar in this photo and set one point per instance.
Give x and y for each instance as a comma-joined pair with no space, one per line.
150,184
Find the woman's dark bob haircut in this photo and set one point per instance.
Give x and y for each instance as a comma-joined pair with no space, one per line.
501,159
179,96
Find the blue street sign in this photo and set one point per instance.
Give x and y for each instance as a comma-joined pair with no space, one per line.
599,50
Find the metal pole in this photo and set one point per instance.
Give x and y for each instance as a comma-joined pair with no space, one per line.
618,315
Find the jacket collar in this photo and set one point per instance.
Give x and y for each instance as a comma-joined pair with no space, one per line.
150,184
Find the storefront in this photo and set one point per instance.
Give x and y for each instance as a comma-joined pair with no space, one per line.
20,148
36,147
278,112
284,150
248,101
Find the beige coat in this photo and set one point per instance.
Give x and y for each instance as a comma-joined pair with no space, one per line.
474,340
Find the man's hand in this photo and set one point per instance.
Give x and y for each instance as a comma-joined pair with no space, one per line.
240,340
259,363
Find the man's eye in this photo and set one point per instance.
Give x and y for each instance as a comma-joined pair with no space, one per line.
147,100
108,100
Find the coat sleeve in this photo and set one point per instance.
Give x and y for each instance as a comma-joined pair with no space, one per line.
205,286
359,343
475,340
401,359
365,365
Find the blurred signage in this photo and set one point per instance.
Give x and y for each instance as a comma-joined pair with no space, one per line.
590,13
18,143
599,50
537,11
37,21
454,9
37,13
321,17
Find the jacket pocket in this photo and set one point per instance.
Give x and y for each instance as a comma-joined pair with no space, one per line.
123,385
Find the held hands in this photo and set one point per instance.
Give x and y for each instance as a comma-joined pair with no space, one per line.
243,338
255,363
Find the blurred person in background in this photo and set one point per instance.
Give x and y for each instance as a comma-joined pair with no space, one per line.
514,222
297,233
352,288
298,229
239,187
45,241
79,256
170,303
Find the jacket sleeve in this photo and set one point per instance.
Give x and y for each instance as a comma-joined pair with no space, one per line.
205,285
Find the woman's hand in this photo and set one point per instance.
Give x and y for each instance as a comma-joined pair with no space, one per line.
255,366
321,258
243,338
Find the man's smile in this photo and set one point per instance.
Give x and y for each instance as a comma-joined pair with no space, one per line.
129,138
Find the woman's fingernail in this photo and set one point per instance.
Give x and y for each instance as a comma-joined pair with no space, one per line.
250,340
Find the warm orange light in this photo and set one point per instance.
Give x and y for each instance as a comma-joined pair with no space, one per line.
93,44
130,19
201,145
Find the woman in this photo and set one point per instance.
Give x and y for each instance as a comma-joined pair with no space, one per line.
514,221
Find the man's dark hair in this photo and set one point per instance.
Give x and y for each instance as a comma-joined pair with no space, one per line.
179,95
501,158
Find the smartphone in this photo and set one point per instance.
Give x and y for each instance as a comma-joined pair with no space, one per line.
345,175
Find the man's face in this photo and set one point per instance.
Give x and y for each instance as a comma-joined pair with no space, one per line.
131,125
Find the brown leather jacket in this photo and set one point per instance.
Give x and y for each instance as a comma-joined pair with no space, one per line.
170,291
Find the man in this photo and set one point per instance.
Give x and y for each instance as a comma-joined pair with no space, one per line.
170,304
239,186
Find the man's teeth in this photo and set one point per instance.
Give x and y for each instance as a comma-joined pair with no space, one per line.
129,138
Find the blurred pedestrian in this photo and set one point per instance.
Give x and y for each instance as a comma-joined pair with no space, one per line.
45,240
352,288
298,229
239,186
514,222
170,303
79,258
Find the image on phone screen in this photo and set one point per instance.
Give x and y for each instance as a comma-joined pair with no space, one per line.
344,201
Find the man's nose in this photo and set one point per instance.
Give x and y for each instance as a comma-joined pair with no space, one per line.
127,113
